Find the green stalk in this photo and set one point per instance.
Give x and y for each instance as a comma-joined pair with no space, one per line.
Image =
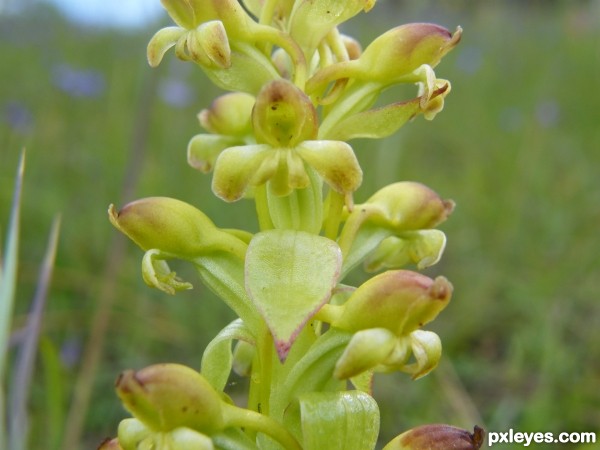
262,208
335,201
267,12
265,354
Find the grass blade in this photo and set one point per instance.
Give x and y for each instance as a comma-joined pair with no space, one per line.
8,281
18,420
55,390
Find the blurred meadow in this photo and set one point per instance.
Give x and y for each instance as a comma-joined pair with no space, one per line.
517,147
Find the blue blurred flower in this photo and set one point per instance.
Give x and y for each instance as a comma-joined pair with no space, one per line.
176,93
547,113
18,116
77,82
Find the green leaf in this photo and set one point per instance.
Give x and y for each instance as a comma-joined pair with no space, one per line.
289,276
218,358
223,273
339,420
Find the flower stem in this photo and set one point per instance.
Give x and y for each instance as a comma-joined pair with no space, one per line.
239,417
329,313
267,12
265,355
351,227
334,214
269,34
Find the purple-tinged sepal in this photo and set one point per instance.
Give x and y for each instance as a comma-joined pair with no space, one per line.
438,437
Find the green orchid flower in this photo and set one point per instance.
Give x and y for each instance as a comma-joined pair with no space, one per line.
386,314
285,126
225,42
175,407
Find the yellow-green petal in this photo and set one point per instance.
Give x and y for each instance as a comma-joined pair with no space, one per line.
427,349
335,161
162,41
235,168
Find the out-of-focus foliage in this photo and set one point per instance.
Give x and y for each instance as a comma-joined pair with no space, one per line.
516,148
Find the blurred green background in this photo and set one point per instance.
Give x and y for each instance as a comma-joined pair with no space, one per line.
517,147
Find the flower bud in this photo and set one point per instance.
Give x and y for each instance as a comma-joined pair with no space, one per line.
167,396
229,115
398,300
163,223
393,210
392,56
283,115
403,49
437,437
407,205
